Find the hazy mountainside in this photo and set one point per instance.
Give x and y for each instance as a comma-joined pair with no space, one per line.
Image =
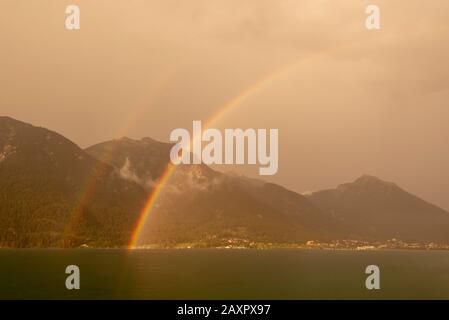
54,194
43,201
140,161
200,204
370,208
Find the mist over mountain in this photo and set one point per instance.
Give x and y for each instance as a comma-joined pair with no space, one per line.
54,194
200,204
141,161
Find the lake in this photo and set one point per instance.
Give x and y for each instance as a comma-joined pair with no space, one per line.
222,274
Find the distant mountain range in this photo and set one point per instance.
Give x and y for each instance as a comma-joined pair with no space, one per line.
55,194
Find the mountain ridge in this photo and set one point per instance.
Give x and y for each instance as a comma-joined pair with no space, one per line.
46,192
55,194
374,206
218,205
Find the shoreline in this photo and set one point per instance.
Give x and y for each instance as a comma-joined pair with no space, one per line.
140,249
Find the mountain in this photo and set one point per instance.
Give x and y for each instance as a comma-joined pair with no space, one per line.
372,209
54,194
142,161
199,204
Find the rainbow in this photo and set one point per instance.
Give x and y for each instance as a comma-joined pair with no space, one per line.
170,169
152,200
91,181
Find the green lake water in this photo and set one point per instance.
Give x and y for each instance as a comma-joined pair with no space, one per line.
223,274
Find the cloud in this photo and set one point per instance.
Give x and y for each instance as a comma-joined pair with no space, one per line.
127,173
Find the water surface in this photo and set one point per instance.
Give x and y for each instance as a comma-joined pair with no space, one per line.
223,274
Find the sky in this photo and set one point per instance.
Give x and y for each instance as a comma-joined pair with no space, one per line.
347,100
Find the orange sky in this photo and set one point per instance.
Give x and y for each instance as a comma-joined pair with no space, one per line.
354,102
